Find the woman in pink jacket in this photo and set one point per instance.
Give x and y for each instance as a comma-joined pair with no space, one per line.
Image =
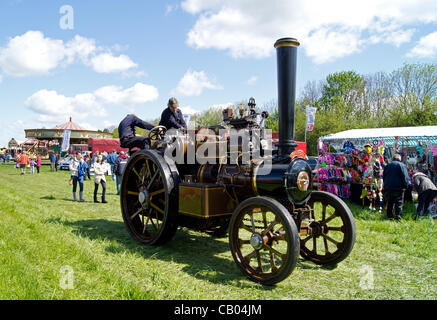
38,163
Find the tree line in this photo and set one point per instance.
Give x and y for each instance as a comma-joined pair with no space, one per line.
348,100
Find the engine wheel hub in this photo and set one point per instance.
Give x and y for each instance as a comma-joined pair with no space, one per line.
143,198
256,241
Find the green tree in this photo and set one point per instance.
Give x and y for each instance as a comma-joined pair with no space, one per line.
344,93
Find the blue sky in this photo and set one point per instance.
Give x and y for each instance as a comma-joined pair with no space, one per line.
124,56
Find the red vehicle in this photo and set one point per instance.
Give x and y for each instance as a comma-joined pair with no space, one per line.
104,144
300,145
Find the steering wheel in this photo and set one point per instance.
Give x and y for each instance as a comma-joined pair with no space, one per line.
157,133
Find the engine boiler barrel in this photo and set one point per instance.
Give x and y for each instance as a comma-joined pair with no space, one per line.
272,185
286,181
286,52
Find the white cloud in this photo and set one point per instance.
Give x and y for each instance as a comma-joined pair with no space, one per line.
425,48
53,107
188,110
193,83
327,30
252,80
16,130
81,48
1,78
138,94
33,54
19,124
88,126
109,124
107,63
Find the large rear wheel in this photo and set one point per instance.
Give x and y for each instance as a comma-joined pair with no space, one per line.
148,198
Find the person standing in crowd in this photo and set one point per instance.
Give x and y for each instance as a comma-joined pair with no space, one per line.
100,169
23,161
95,155
127,132
120,164
38,163
111,160
396,181
52,158
426,190
32,166
78,170
57,161
88,162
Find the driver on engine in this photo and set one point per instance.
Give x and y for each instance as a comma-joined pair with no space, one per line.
172,117
126,131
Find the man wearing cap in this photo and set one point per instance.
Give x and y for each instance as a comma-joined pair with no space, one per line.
126,131
172,117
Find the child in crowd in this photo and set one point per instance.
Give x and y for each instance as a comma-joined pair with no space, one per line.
32,166
100,170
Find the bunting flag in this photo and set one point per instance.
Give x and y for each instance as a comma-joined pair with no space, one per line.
311,116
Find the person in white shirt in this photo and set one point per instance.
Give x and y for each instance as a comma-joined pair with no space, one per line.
100,170
78,169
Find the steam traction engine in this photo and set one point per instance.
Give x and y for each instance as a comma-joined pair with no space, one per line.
271,218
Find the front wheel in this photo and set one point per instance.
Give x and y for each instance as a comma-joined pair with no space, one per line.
328,236
264,240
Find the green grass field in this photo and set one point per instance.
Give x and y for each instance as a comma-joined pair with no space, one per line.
43,233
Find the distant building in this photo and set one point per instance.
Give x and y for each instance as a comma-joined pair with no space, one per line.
53,137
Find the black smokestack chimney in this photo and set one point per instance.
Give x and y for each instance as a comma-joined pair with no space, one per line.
286,52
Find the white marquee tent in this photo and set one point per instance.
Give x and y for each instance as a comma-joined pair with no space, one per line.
391,136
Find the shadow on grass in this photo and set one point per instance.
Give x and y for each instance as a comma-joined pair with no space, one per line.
63,199
48,198
197,252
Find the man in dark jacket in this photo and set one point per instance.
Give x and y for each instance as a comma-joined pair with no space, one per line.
172,117
52,158
111,160
127,129
119,165
426,191
396,180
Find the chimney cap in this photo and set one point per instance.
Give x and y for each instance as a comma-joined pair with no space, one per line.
287,42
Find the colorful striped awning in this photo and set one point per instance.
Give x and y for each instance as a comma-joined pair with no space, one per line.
70,126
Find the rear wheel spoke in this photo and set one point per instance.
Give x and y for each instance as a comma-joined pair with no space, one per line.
153,179
136,213
340,229
274,251
314,244
272,262
331,240
250,256
325,243
258,258
333,216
